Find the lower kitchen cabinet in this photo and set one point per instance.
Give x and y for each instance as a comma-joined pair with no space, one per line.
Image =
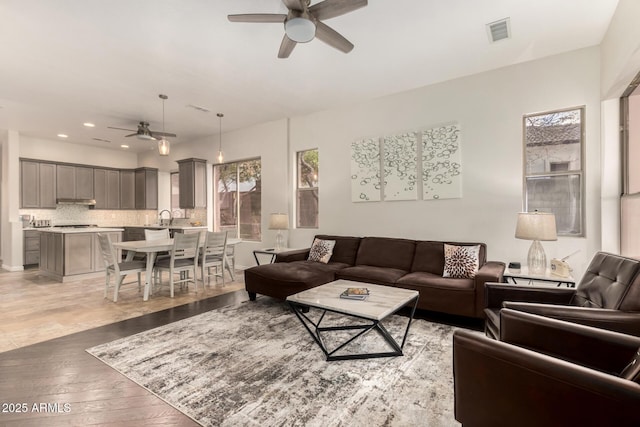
65,255
31,247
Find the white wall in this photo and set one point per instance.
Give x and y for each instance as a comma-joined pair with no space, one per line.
489,108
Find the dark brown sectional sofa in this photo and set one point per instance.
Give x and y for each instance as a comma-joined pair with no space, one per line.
410,264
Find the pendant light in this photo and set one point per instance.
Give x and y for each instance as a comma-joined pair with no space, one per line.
220,156
163,144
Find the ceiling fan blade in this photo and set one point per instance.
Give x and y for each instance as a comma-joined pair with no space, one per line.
286,47
257,17
130,130
332,37
154,134
331,8
300,5
133,134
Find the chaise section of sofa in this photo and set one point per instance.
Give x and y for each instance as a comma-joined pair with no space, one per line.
292,273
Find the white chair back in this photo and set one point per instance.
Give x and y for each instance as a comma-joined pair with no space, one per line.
156,234
185,245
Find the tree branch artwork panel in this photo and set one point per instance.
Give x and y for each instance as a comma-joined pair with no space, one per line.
441,163
400,167
365,170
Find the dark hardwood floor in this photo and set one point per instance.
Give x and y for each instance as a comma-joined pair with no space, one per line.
69,387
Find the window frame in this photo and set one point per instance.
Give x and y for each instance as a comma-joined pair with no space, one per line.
300,189
568,173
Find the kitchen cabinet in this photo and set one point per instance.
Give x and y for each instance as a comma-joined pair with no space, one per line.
127,189
193,183
52,253
74,182
106,188
79,253
37,184
146,188
31,247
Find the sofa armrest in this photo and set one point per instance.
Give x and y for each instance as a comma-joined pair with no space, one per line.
627,322
497,293
533,389
295,255
607,351
491,271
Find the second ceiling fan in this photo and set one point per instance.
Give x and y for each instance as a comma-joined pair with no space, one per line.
303,22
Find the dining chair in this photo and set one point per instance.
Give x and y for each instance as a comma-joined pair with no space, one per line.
229,259
183,259
212,254
162,234
118,269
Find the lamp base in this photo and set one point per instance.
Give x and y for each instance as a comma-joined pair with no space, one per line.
279,241
537,260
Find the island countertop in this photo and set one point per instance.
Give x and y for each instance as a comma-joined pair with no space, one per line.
69,230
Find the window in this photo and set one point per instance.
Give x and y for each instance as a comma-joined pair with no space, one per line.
307,189
237,204
176,212
553,160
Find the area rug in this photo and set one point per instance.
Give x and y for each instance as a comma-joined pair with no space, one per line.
255,364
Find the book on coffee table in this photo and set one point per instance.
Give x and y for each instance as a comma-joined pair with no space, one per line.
355,293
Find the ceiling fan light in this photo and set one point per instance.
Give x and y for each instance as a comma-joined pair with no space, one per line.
163,147
300,30
145,136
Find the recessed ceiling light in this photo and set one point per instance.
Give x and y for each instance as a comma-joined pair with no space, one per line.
89,125
62,135
124,146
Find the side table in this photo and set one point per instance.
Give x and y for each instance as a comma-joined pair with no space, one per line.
268,251
524,274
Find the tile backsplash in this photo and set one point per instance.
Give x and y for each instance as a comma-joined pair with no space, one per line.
78,214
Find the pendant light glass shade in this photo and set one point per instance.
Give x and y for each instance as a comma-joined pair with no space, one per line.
163,147
220,155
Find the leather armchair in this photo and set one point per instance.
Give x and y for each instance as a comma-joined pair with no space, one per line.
608,297
545,372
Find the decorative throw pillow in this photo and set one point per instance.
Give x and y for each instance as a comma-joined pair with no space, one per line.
461,262
632,371
321,250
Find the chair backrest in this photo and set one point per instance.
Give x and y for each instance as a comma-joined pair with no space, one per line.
611,281
108,254
185,245
156,234
215,245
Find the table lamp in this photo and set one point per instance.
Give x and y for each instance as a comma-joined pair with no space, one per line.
536,226
279,221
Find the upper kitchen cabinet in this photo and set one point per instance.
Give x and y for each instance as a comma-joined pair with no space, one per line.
146,190
74,182
127,189
37,184
107,188
193,183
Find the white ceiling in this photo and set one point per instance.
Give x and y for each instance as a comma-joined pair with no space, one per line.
65,62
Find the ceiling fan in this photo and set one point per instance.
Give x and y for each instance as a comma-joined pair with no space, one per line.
303,23
143,132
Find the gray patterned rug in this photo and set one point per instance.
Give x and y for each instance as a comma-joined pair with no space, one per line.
255,364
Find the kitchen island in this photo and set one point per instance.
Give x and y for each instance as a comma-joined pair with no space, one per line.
73,253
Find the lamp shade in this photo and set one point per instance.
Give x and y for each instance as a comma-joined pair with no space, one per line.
536,226
278,221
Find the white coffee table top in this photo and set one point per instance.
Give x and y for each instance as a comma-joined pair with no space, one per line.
382,300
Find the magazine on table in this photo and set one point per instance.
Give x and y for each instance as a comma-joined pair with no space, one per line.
355,293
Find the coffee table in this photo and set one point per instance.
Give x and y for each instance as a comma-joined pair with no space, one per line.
382,302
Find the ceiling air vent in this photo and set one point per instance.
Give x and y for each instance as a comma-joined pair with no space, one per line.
199,108
101,140
499,30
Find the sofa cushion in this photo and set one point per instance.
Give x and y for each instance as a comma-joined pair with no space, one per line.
321,250
371,274
461,261
420,278
429,256
386,252
345,249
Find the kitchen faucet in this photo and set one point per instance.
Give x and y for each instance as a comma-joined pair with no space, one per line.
160,220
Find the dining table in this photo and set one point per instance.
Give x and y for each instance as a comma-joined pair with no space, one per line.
151,248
